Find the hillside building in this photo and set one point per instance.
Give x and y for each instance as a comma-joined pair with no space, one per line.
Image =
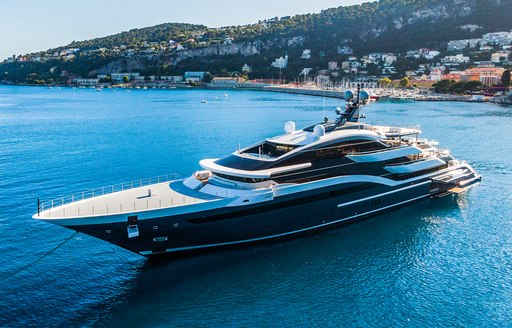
195,77
306,54
499,38
281,62
500,56
459,45
246,68
226,82
455,60
118,77
86,82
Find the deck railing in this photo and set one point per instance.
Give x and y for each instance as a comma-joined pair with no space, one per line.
47,205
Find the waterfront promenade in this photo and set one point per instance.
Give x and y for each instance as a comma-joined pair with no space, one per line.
390,93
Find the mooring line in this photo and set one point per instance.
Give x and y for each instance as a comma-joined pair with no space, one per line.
39,259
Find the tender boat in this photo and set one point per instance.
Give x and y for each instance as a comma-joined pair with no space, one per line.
304,180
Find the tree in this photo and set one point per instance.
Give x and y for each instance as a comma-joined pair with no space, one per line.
404,82
208,77
472,86
457,87
505,79
126,79
443,85
385,82
107,79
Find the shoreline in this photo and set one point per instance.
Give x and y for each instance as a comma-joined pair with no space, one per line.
398,95
391,94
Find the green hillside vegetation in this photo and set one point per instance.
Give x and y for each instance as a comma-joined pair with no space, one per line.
384,26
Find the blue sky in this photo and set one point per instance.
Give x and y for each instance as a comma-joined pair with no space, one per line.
33,25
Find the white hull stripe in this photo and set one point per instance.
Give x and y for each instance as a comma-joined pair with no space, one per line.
169,250
383,194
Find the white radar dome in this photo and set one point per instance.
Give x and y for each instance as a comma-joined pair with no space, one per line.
349,95
319,131
289,127
364,96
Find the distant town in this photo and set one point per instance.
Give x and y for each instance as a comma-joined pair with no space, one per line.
480,65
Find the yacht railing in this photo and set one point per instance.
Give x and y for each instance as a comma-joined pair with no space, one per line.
394,131
47,205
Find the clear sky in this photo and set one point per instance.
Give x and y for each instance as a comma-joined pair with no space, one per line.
33,25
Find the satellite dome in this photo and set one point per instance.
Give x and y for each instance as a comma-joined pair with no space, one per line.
349,95
363,95
319,131
289,127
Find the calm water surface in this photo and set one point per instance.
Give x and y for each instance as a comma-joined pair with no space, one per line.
441,262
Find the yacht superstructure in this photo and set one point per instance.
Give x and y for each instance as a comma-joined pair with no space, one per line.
303,180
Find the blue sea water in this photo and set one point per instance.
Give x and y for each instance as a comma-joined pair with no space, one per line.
444,262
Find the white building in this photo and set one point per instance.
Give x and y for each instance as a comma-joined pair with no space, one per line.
195,76
246,68
306,54
457,59
306,71
413,54
436,75
344,50
458,45
172,78
499,38
389,59
388,70
118,77
500,56
281,62
376,56
490,79
86,82
226,82
431,54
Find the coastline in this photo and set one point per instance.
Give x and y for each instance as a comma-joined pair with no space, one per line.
395,94
377,93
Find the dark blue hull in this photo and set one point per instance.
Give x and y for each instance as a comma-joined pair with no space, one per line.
284,217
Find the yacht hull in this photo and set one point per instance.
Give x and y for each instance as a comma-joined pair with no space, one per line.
282,217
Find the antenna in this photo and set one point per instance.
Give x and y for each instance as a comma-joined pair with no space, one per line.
323,109
352,111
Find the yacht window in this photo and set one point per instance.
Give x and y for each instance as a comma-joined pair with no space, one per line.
334,151
270,149
239,179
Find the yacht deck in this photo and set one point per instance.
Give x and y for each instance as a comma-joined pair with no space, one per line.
149,197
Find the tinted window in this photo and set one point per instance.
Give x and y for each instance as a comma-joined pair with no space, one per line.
270,149
241,163
333,151
239,179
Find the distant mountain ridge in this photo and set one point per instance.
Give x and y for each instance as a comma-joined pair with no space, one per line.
385,26
352,25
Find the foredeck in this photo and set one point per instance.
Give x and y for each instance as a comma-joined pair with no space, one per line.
149,197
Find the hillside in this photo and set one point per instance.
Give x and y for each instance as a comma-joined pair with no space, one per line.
333,34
